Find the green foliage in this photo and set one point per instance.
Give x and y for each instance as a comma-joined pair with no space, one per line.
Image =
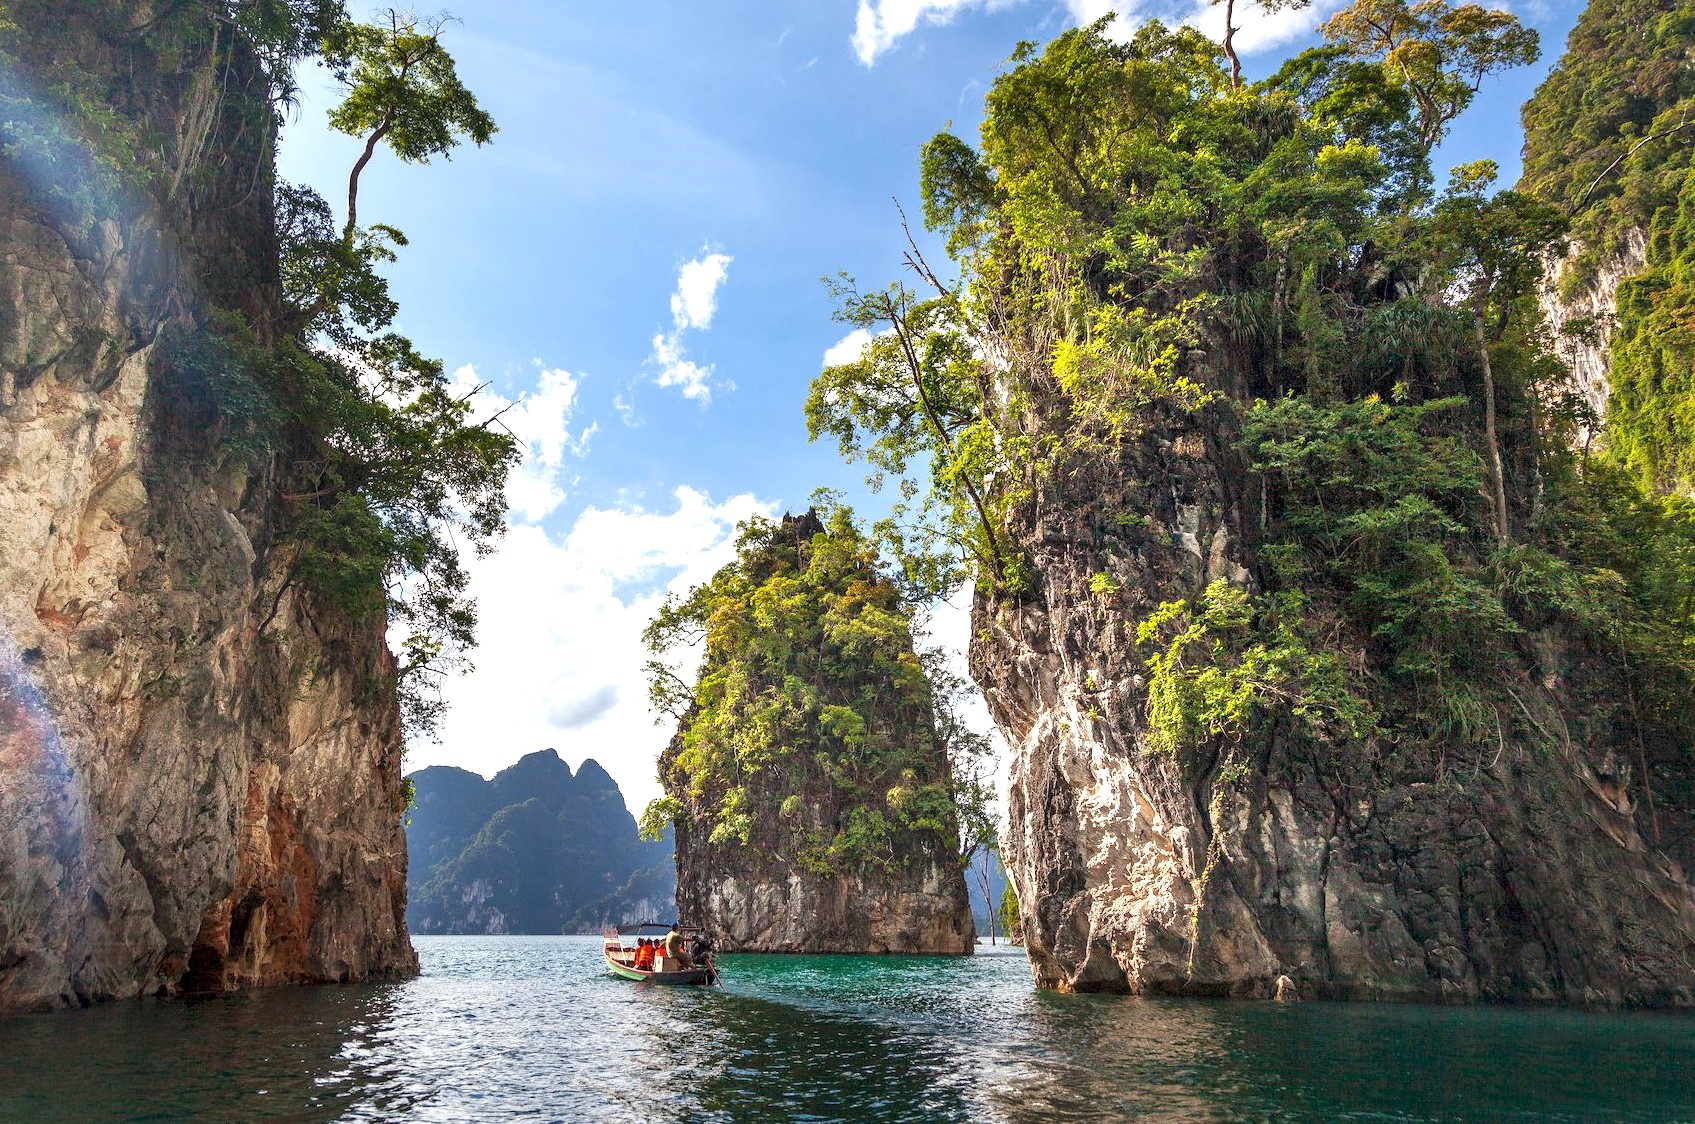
1147,254
403,90
1610,138
1227,660
1651,413
1011,923
1438,52
403,86
812,718
661,812
1608,134
918,394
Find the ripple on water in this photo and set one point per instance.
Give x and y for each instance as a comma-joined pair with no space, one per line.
533,1028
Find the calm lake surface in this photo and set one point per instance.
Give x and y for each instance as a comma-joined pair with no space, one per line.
533,1028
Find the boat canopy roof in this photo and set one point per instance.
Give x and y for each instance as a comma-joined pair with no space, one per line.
652,928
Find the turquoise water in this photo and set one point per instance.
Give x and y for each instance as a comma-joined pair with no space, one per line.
532,1028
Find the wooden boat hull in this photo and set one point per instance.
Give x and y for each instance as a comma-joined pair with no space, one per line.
700,975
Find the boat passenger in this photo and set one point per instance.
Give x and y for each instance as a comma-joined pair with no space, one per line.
644,955
674,947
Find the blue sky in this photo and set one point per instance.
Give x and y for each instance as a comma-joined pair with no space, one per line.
670,182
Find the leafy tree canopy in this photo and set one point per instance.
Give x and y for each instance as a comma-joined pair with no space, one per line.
813,720
1146,252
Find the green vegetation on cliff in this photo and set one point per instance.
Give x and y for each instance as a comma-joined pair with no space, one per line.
289,369
1265,279
813,720
1610,138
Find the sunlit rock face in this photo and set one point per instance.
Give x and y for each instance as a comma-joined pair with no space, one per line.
199,783
754,905
1529,873
1581,318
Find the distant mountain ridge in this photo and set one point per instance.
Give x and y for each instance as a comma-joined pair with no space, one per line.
534,849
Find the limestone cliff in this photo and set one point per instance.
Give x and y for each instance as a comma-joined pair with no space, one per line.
1581,317
1607,139
1530,873
1295,620
808,784
199,775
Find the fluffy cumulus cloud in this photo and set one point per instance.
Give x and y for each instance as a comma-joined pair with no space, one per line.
1256,29
696,298
848,349
880,24
693,305
559,656
541,421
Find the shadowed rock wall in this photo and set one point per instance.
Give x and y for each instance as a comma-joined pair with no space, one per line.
1526,874
199,781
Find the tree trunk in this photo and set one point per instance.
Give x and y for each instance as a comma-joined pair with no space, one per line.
1497,477
1230,44
371,143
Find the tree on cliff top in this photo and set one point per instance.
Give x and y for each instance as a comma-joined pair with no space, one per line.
1147,253
403,90
382,471
812,719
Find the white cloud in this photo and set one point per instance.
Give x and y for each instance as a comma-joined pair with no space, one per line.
676,369
848,349
693,305
880,24
540,420
696,298
1257,29
1086,12
626,407
559,656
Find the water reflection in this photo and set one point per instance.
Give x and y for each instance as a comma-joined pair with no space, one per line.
499,1028
301,1054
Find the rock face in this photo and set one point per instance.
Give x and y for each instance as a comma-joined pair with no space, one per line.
750,905
199,782
798,877
1582,320
534,850
1532,876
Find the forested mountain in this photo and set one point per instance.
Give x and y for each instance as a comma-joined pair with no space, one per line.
812,781
1332,656
536,849
1610,140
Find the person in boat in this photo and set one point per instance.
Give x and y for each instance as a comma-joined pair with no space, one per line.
644,955
674,947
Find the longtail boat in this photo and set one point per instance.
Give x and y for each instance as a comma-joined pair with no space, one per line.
631,961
